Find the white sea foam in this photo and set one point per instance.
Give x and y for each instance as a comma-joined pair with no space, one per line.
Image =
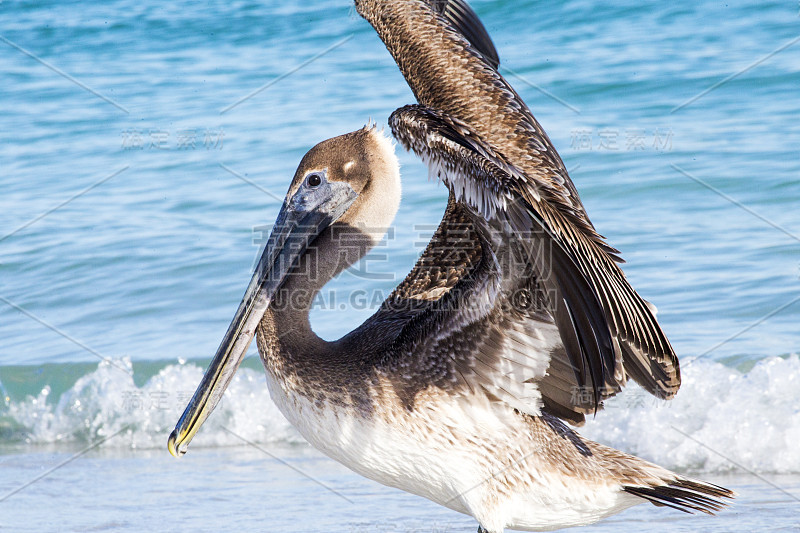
107,400
721,419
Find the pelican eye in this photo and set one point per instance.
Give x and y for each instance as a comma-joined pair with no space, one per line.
314,180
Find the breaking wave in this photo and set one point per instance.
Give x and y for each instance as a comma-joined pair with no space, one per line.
723,419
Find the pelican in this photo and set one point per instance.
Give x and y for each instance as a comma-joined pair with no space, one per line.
461,388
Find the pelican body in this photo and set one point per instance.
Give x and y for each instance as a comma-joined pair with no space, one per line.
461,386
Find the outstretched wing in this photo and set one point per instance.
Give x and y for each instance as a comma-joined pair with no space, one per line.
479,137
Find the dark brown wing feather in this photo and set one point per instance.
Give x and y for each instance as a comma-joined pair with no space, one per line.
471,117
466,22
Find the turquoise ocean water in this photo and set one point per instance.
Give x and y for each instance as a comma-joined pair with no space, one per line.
145,148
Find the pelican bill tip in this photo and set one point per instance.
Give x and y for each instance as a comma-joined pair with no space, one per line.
173,446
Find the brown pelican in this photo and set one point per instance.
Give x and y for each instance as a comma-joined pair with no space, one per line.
459,386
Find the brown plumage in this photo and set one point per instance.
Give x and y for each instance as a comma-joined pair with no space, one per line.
470,117
516,316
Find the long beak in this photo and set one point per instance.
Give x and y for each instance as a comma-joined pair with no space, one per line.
300,220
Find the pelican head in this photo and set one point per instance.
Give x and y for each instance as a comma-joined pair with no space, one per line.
348,181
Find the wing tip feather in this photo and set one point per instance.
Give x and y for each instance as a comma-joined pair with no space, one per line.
687,495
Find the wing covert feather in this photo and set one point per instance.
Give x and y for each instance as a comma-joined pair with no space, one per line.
476,134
